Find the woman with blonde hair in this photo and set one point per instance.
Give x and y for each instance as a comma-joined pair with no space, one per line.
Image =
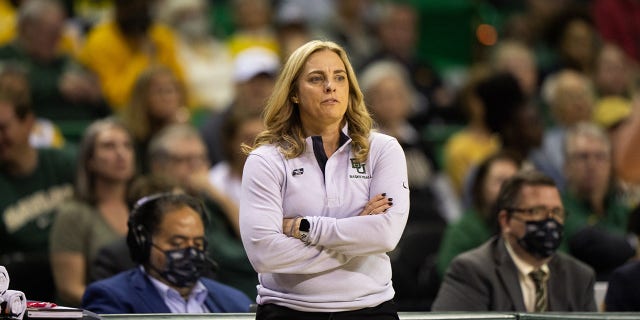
157,100
324,198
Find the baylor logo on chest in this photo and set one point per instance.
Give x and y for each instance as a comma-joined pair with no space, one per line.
360,168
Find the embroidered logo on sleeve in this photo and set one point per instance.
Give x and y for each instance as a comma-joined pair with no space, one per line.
361,169
297,172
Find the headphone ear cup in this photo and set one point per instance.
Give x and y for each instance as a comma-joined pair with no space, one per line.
137,236
137,243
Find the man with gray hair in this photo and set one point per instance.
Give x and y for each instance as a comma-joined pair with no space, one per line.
179,153
60,88
596,228
570,98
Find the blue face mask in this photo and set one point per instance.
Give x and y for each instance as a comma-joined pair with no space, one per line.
542,237
183,267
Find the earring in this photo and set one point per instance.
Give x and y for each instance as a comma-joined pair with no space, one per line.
294,100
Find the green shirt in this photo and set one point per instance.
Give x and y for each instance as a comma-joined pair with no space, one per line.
226,249
580,215
80,228
44,82
27,202
463,235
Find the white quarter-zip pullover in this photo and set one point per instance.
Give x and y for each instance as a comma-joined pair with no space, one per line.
344,266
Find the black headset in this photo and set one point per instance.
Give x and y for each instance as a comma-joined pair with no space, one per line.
143,214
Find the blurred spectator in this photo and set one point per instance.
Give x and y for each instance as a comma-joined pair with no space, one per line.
570,98
390,97
45,133
70,38
518,59
613,20
98,213
397,32
613,71
464,149
254,75
315,13
240,127
573,38
613,83
157,100
206,61
520,269
33,182
60,89
595,229
253,26
530,27
350,26
292,28
510,115
480,221
179,153
120,49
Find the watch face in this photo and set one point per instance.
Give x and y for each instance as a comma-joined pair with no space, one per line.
305,225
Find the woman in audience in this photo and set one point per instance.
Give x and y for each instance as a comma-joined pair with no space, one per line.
470,145
479,222
98,213
158,100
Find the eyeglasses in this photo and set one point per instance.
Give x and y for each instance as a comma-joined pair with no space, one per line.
541,212
192,159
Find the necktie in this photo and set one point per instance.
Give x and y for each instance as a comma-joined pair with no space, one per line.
541,290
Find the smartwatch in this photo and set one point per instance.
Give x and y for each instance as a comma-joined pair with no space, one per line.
304,230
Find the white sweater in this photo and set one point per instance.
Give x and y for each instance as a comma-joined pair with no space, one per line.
345,265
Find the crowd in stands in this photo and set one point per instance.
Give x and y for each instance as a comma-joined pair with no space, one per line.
104,102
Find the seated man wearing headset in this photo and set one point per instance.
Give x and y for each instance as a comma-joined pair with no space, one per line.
167,240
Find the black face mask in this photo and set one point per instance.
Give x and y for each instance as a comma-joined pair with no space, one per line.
183,267
542,238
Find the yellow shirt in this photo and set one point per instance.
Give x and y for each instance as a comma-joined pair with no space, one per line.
241,41
118,64
463,151
7,22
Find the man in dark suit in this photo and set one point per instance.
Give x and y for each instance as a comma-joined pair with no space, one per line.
520,270
167,240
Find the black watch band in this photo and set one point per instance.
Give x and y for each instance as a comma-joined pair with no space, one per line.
304,230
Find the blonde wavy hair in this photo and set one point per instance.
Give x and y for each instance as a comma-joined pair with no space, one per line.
282,117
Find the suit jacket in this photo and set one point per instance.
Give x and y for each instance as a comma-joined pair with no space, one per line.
623,293
486,279
132,292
